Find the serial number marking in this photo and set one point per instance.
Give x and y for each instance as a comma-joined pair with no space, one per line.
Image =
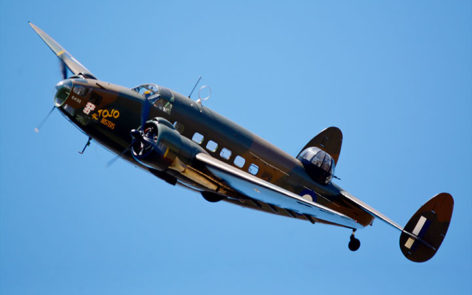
108,123
76,99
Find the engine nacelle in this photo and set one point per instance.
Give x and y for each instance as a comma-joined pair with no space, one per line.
158,144
318,164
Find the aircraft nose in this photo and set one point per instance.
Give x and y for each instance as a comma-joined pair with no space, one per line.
63,90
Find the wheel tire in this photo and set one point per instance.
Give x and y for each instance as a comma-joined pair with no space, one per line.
212,197
354,244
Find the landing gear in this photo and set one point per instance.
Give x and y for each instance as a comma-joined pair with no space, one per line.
212,197
354,243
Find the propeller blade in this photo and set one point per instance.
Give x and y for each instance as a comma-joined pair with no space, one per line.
44,120
74,65
127,149
63,69
145,112
135,133
112,161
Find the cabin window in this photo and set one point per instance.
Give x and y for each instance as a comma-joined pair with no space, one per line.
225,153
179,127
212,146
95,98
79,90
253,169
198,138
239,161
163,105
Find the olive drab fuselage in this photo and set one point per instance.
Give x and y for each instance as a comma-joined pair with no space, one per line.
182,142
108,112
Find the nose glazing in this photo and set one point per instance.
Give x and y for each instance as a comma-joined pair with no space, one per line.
63,90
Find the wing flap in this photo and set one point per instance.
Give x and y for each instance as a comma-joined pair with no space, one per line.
269,193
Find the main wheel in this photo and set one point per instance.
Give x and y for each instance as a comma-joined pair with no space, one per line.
354,244
212,197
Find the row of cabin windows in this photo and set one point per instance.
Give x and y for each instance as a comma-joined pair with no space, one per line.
225,153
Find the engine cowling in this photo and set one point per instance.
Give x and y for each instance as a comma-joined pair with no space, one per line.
318,164
157,145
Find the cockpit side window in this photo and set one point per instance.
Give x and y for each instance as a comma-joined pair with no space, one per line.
159,97
95,98
163,105
80,90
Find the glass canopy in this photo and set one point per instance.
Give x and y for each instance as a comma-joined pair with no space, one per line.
147,90
318,163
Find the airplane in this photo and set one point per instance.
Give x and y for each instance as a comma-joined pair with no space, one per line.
185,143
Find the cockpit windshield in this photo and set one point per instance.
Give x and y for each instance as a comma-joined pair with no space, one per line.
147,90
159,97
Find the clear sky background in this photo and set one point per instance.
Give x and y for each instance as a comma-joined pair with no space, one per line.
395,76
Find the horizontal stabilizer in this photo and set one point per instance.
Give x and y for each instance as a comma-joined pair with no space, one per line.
426,230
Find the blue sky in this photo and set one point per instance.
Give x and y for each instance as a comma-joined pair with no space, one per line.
395,76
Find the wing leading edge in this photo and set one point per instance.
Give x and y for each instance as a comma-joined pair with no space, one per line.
269,193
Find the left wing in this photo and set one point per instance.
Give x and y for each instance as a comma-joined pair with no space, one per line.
269,193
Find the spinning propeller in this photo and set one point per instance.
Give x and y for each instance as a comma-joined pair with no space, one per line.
139,135
66,61
63,70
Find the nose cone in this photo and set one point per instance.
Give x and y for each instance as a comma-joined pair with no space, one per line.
64,89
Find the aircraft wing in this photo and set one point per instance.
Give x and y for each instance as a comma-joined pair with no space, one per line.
269,193
74,65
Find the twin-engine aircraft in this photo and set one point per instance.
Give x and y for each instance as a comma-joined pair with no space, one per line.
185,143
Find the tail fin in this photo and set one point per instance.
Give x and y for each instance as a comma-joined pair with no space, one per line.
423,234
329,140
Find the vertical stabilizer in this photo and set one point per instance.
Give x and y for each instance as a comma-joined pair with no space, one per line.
424,233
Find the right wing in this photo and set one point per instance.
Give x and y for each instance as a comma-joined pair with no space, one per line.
269,193
74,65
